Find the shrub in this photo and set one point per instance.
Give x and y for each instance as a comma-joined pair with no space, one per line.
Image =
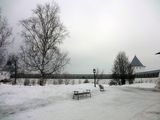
73,82
79,82
113,82
86,81
26,82
54,82
66,81
60,81
41,82
33,82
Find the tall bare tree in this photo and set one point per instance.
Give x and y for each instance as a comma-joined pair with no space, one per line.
43,33
5,34
5,31
122,69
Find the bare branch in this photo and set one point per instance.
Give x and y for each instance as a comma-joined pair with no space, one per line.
5,32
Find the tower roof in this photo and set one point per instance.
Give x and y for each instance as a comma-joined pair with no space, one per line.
136,62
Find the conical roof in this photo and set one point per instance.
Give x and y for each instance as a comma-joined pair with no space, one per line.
136,63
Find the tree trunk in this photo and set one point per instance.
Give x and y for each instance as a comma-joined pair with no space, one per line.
15,81
123,81
42,80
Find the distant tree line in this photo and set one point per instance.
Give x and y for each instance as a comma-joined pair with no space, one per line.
64,76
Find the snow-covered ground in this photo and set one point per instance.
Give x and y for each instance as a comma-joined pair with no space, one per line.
141,85
54,102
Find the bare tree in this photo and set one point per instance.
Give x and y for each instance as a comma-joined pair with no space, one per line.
99,75
5,34
43,33
122,69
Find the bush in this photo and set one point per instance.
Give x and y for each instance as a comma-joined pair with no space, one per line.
26,82
73,82
4,81
79,82
60,81
86,81
41,82
54,82
130,81
113,82
33,82
67,81
158,83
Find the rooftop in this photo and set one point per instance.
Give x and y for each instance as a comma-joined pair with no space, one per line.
136,62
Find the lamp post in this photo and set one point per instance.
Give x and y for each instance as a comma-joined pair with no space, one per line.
94,71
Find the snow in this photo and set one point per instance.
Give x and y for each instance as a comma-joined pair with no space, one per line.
54,102
4,75
142,85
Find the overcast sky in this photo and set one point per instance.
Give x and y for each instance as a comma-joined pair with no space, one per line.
99,29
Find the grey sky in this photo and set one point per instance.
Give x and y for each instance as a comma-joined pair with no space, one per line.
99,29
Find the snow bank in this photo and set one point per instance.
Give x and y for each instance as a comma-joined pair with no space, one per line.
158,83
54,102
19,94
142,85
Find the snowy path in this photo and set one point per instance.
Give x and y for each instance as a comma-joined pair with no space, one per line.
116,103
7,110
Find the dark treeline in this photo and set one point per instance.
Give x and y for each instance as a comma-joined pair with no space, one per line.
86,76
65,76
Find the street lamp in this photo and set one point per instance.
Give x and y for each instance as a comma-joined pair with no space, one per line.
94,71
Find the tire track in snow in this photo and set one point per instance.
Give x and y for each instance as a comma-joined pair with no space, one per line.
7,110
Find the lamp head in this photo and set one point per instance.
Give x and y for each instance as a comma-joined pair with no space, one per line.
94,70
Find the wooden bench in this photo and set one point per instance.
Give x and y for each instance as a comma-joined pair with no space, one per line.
101,88
78,94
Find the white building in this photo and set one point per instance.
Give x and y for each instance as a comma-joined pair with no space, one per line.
158,82
137,65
